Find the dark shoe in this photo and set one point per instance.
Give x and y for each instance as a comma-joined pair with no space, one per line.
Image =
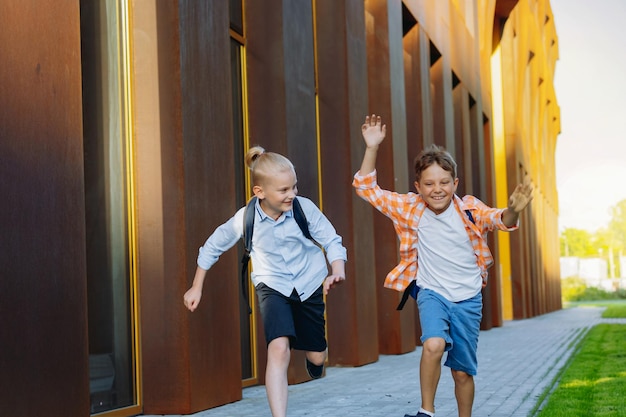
314,371
417,415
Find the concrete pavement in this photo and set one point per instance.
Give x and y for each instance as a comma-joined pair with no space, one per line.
516,363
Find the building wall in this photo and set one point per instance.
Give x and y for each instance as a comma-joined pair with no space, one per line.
311,75
528,117
43,305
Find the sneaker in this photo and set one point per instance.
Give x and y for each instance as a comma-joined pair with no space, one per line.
314,371
417,415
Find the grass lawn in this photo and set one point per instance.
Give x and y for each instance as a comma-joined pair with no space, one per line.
594,383
614,308
615,311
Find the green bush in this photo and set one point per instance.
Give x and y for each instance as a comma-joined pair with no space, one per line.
572,289
575,289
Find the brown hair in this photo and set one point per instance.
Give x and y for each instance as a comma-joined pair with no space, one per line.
263,163
434,155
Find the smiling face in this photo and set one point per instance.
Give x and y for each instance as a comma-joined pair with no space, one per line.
276,192
437,186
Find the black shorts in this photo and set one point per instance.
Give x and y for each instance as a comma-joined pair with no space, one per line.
301,321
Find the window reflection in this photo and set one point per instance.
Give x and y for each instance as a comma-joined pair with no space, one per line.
111,361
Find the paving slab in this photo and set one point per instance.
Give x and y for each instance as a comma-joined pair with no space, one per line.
516,364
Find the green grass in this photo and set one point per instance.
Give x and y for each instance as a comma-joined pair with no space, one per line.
614,308
594,383
615,311
599,303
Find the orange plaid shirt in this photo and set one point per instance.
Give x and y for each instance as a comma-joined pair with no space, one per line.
405,210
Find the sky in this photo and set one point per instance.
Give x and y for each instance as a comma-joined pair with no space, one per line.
590,85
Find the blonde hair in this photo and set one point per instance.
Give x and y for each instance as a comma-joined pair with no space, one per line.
262,164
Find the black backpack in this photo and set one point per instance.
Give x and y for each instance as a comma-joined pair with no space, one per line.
248,229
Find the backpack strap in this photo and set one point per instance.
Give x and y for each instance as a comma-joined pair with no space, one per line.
248,225
248,228
300,218
413,289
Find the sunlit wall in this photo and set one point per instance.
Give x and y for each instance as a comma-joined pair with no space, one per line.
526,121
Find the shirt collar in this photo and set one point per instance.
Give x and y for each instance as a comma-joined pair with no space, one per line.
264,216
462,204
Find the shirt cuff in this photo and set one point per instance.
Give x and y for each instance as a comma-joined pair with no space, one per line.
364,181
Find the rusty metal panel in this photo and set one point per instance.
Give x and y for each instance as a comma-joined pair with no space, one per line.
342,72
281,101
43,354
185,171
395,328
211,196
281,85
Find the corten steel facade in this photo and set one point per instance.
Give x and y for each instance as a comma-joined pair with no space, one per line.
528,123
123,126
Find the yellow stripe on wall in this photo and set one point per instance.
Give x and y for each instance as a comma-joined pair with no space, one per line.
499,164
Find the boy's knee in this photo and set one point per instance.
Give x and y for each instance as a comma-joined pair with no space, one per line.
317,358
461,377
434,346
279,347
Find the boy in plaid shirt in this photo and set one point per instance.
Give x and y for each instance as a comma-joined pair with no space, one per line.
443,248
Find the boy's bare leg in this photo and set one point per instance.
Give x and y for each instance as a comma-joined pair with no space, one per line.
464,392
430,370
276,384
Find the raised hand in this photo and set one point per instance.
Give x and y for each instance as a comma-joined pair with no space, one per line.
373,130
522,195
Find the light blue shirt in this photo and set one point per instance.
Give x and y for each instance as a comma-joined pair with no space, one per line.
282,257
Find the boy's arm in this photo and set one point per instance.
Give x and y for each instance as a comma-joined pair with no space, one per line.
194,294
222,239
521,197
338,275
373,134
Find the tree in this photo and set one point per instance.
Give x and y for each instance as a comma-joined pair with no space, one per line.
608,243
604,243
617,225
577,242
616,232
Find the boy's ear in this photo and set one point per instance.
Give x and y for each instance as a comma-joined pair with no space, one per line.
258,192
417,186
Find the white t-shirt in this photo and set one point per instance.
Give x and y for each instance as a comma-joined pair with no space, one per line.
446,260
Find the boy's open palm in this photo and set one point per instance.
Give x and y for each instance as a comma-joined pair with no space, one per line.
522,195
373,130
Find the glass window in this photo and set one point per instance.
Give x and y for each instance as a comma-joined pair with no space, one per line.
239,137
237,55
236,16
108,210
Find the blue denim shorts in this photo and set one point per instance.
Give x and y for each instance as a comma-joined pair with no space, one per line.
457,323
